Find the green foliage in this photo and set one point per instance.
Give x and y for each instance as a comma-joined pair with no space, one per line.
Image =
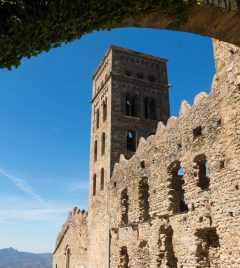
28,27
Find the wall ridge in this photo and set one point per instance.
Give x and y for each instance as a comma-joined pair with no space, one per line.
165,130
75,214
180,191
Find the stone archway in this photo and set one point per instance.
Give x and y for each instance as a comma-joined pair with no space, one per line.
219,19
27,30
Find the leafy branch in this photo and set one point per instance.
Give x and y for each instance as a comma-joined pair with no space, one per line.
28,27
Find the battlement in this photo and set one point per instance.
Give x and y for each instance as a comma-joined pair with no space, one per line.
179,130
204,114
77,213
175,202
75,217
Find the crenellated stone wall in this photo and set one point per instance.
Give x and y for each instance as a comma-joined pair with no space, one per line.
72,241
176,202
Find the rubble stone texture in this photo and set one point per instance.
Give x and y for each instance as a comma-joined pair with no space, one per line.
126,87
176,201
72,242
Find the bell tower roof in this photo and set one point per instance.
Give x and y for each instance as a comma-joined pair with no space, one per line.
130,52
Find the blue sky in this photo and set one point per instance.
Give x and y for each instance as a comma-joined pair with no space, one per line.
45,125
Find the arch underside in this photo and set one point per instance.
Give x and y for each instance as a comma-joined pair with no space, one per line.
25,34
217,21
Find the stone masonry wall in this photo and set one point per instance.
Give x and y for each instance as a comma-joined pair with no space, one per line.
72,240
97,202
176,202
126,68
121,73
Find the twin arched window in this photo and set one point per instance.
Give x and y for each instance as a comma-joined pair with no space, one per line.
94,185
104,114
103,145
150,108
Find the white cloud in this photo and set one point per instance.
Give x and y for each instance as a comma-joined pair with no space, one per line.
33,214
80,185
27,217
23,186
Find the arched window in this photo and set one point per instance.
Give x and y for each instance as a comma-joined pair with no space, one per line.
68,258
130,104
146,108
153,113
95,151
124,257
103,143
102,180
131,141
104,110
177,193
150,108
97,119
124,207
143,190
94,184
201,164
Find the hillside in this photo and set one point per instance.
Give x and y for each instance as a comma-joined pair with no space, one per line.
12,258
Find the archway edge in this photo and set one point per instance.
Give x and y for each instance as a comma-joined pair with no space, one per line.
26,31
213,20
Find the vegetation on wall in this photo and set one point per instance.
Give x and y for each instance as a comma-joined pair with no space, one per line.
28,27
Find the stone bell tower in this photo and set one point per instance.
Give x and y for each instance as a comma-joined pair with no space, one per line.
130,96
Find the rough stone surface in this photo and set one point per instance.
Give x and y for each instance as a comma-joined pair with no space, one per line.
214,18
176,201
122,74
72,240
203,230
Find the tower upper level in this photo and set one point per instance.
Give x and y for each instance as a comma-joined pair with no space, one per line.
130,96
133,65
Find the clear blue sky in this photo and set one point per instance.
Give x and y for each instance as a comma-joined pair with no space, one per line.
45,125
